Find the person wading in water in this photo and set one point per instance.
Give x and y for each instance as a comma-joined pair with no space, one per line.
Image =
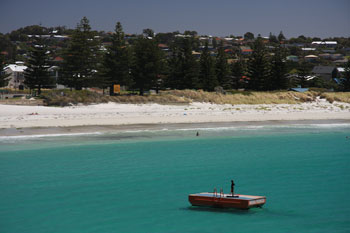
232,187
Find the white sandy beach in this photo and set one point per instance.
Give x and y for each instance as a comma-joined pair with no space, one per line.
13,116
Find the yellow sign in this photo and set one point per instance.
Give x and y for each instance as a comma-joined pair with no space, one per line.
116,89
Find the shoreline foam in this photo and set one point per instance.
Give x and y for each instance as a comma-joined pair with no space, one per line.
140,128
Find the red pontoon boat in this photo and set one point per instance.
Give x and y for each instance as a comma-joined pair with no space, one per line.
226,200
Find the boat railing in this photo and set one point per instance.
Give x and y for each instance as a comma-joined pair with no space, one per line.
221,194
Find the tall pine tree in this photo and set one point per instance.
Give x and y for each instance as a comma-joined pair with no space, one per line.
3,76
258,67
208,77
222,68
184,68
117,60
281,37
273,38
175,72
238,71
148,64
304,70
37,74
278,75
81,59
190,67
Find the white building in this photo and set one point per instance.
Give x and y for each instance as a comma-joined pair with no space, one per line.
16,78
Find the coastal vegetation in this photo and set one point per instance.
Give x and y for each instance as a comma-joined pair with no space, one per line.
67,97
336,96
3,77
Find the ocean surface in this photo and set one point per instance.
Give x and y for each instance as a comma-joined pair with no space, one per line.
139,181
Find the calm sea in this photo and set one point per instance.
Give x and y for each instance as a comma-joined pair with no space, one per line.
139,181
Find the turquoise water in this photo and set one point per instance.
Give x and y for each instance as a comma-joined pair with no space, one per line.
140,181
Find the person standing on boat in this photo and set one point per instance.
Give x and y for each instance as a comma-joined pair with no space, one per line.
232,187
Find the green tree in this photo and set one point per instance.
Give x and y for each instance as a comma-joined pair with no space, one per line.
278,74
191,33
7,46
273,38
222,68
249,36
81,59
304,70
148,32
190,66
214,42
37,74
117,60
184,68
207,70
148,64
258,67
175,65
3,76
237,70
281,37
346,77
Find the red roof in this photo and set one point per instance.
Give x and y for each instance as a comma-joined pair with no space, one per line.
4,53
247,50
58,59
162,46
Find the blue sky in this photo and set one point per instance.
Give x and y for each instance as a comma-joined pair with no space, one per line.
322,18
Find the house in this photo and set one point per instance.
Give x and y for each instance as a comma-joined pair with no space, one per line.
246,50
328,50
339,75
325,55
16,77
196,54
229,51
163,47
311,58
341,61
231,60
325,72
58,59
5,53
328,44
337,56
292,58
308,49
54,72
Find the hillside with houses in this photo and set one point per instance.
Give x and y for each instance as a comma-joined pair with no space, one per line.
82,58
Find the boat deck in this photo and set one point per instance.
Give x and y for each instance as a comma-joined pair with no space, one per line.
225,195
226,200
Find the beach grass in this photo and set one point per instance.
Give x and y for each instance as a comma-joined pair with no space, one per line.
336,96
246,97
67,97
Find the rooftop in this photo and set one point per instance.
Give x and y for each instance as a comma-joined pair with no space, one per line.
16,68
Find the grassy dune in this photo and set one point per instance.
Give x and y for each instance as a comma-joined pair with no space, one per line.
55,97
336,96
280,97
